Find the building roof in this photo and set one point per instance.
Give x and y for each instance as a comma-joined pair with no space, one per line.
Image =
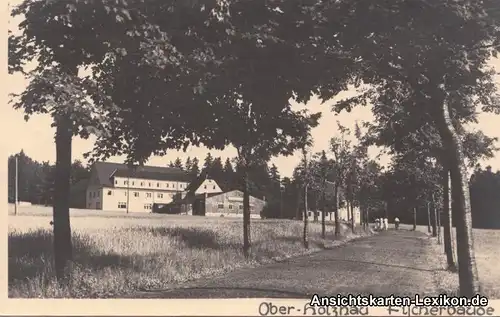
105,170
178,176
196,183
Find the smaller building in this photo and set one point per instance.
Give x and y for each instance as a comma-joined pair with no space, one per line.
226,204
205,197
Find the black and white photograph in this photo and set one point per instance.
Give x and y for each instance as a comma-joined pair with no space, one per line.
253,149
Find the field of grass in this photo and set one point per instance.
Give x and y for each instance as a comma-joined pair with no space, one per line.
486,245
117,254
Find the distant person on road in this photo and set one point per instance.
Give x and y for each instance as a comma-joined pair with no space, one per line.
396,223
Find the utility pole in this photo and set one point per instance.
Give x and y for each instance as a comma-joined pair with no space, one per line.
16,200
282,189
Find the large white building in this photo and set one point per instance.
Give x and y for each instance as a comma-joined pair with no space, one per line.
114,186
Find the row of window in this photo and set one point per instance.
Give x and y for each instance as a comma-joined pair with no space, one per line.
137,194
150,184
221,206
123,205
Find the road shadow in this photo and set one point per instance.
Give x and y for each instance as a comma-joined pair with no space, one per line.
194,238
31,255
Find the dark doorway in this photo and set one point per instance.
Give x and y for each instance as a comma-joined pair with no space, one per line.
199,207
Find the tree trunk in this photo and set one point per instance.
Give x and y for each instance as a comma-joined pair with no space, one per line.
361,214
323,216
433,219
353,224
387,210
297,214
63,252
415,219
316,208
367,216
429,221
282,211
447,222
336,206
306,220
435,222
347,207
467,269
246,215
438,219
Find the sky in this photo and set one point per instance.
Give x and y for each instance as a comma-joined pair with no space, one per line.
36,137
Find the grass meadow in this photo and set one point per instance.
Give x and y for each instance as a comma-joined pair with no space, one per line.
487,247
117,254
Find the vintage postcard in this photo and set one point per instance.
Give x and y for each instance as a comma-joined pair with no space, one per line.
251,158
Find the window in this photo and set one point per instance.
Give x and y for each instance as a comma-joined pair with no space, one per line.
168,185
110,192
149,184
180,185
220,206
230,206
142,183
122,205
160,195
136,194
157,184
148,195
116,182
205,187
241,206
125,182
214,186
133,183
125,193
309,214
